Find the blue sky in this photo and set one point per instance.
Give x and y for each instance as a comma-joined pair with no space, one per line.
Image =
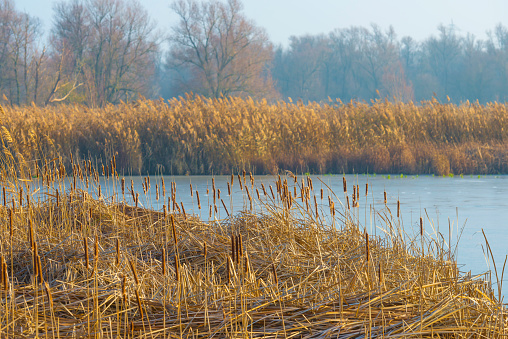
283,18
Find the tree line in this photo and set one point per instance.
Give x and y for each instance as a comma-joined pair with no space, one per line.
107,51
364,63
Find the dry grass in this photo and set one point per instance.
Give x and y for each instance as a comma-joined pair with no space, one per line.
202,136
79,263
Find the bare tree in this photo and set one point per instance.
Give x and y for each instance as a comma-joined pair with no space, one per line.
442,57
111,46
20,54
216,51
301,70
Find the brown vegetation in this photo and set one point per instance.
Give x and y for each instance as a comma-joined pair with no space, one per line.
76,263
202,136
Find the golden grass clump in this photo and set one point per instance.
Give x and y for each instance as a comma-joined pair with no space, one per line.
195,135
290,265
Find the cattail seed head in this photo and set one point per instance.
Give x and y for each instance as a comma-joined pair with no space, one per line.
183,210
275,278
240,181
134,273
225,208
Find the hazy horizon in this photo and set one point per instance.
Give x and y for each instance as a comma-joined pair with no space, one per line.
282,19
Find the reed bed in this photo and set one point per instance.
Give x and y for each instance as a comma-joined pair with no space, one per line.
195,135
78,260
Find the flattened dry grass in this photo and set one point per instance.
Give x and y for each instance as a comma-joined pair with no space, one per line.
79,263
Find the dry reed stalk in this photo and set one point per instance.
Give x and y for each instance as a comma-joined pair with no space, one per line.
10,223
138,300
163,261
96,248
367,249
275,278
228,270
173,228
2,273
177,267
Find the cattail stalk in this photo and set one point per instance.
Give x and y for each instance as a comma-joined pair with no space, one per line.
87,259
233,248
163,261
367,249
177,268
173,228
